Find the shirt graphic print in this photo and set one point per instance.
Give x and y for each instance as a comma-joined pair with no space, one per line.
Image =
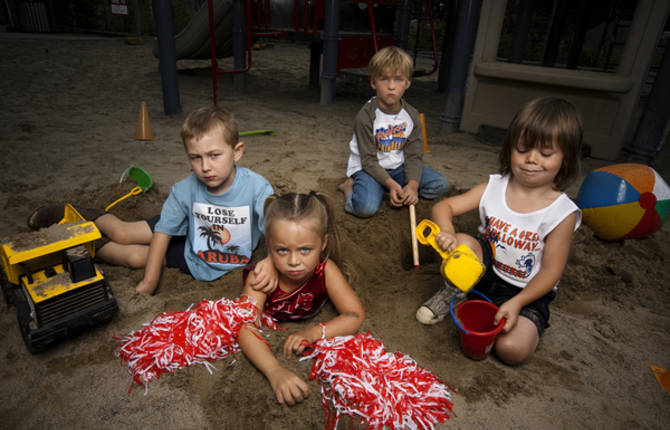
222,235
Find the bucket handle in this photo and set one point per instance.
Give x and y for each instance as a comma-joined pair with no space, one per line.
451,309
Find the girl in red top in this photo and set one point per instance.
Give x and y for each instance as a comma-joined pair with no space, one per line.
303,247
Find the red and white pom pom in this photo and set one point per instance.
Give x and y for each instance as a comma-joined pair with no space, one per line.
200,335
360,379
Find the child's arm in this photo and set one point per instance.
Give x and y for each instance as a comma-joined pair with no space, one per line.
265,277
349,307
554,258
444,211
152,272
413,164
287,386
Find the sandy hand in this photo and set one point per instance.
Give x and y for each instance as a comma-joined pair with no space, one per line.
288,387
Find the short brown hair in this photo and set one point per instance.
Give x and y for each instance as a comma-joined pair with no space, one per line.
541,122
203,120
391,58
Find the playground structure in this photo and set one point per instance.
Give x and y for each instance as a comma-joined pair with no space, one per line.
346,32
351,31
483,91
288,19
482,88
194,40
608,102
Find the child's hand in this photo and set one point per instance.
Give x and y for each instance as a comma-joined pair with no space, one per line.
145,287
395,197
265,277
407,195
446,241
510,311
395,192
296,343
410,193
288,387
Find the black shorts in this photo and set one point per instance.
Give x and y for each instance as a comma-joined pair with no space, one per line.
500,291
174,256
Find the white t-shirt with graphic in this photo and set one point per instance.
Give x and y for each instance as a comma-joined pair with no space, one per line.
517,239
393,138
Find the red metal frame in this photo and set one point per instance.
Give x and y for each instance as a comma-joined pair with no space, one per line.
212,41
352,43
371,15
432,37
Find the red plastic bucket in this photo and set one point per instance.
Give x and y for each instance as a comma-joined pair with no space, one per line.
478,333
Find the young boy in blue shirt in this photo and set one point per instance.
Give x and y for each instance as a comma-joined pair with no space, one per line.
210,223
386,150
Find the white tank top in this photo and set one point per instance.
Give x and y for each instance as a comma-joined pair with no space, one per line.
517,239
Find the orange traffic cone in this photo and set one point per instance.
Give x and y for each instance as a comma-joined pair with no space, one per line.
663,376
143,129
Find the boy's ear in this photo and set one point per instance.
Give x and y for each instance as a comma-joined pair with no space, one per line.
372,84
409,83
238,151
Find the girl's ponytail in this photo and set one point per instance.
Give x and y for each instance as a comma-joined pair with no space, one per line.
333,250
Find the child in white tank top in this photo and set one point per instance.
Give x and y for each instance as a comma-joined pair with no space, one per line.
526,227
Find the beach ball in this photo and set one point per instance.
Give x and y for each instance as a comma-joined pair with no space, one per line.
624,201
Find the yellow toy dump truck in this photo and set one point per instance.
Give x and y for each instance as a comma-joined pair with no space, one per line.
50,277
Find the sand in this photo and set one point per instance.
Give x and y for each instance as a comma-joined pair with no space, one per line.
69,107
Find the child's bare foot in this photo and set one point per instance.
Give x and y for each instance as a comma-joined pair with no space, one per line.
347,187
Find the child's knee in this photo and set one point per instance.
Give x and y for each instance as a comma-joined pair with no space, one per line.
363,208
510,353
434,189
513,350
130,233
137,258
364,212
119,235
471,243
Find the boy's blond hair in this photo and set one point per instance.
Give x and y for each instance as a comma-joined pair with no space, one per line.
205,119
393,59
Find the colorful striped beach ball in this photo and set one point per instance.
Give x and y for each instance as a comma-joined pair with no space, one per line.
624,201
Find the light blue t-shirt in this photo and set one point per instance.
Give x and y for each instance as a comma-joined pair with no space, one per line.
221,230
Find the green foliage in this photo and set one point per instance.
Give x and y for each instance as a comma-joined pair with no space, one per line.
425,40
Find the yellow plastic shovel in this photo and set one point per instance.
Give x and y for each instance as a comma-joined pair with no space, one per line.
142,178
460,267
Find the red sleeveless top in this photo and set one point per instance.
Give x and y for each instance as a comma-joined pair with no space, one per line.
303,303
